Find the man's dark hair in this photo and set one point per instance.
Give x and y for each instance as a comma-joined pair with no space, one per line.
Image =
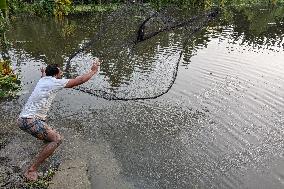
51,70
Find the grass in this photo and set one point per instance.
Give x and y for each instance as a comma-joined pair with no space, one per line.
43,182
78,9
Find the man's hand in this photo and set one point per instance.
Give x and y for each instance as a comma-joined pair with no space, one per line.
85,77
96,65
42,72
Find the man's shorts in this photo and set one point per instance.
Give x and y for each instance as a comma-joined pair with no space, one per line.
34,126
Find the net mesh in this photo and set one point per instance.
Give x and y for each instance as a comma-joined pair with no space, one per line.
141,49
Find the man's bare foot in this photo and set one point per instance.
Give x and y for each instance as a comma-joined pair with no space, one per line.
31,175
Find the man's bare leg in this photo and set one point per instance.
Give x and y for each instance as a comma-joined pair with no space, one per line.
54,141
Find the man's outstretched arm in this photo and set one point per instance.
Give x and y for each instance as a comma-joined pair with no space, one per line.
85,77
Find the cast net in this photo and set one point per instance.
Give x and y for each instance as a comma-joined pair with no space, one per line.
141,51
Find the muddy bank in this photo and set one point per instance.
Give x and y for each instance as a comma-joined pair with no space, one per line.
17,150
10,174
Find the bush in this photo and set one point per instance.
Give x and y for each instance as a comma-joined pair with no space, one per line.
9,82
38,7
62,8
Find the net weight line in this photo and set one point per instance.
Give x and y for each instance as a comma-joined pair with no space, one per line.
141,37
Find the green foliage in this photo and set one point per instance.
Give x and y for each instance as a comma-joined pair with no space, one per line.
206,4
3,22
46,6
39,7
59,8
17,6
104,8
62,8
9,83
3,17
3,5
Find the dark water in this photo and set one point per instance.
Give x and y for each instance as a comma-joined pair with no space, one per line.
220,126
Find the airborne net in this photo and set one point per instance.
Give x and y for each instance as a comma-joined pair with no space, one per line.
141,50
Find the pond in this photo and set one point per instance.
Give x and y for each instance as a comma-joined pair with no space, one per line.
220,126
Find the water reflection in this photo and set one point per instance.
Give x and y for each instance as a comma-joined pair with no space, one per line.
257,27
52,42
49,40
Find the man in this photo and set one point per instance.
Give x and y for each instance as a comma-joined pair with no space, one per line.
33,116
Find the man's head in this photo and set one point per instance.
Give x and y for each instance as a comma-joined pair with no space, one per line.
54,71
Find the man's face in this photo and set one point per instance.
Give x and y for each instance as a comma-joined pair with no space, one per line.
59,75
